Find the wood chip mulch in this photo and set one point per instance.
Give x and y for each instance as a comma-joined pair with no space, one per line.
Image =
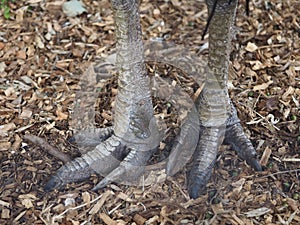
43,54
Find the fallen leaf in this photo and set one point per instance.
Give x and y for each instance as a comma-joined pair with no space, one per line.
61,115
238,185
6,127
27,203
5,214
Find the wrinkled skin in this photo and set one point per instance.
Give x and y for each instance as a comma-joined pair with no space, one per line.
124,150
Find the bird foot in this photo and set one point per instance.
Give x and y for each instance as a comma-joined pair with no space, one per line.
105,157
206,153
125,160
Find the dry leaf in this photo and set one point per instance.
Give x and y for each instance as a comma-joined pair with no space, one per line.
27,203
6,127
139,219
26,114
60,114
238,185
5,214
3,203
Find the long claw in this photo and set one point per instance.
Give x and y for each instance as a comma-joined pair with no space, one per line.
204,160
198,181
65,175
236,137
254,164
102,184
54,183
185,144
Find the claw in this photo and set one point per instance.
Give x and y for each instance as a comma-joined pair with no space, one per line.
198,186
236,137
204,160
104,158
254,164
54,183
66,174
102,184
185,144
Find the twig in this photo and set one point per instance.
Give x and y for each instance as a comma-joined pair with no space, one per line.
180,189
49,148
291,160
74,208
281,172
46,222
115,208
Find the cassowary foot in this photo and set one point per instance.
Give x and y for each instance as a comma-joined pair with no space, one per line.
206,152
129,170
112,157
105,157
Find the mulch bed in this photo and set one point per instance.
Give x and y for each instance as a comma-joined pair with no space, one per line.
43,54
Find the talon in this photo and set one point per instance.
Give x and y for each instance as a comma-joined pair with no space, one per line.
197,183
197,180
254,164
103,183
196,190
54,183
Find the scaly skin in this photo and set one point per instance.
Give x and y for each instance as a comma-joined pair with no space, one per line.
217,114
124,150
135,133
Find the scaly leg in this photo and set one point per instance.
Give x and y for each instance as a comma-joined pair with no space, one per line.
135,133
217,115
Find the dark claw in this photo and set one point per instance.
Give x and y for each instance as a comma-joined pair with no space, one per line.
254,164
204,160
195,189
102,184
54,183
197,183
236,137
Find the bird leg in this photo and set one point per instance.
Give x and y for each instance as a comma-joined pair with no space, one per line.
122,152
218,116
